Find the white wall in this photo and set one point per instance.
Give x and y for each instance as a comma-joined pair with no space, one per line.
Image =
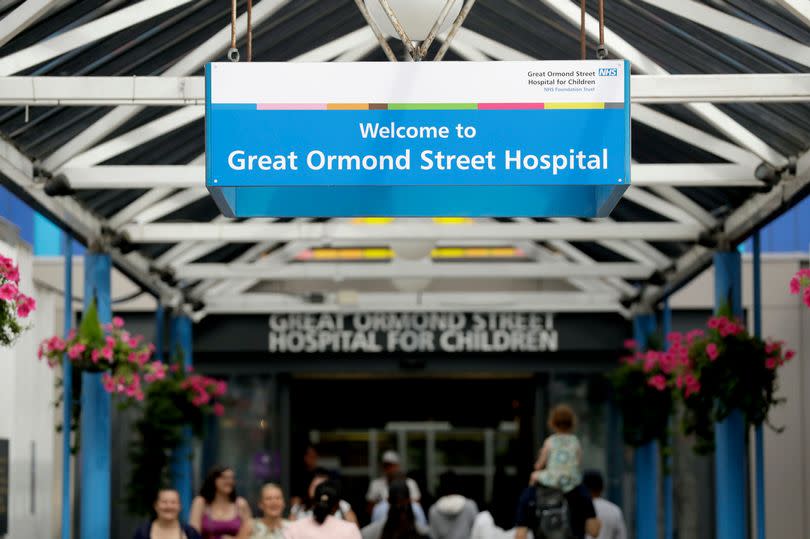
787,454
27,413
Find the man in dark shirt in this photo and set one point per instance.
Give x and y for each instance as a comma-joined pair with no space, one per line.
580,509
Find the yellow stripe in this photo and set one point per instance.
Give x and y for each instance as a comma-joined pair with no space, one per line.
575,105
347,106
452,220
372,220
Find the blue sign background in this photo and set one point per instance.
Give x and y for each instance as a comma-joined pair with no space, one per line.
416,192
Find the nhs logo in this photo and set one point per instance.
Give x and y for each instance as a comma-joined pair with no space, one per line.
608,71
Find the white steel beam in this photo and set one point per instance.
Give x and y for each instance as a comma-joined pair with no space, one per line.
85,34
187,176
170,204
644,64
659,206
719,21
557,302
187,65
140,204
695,137
140,135
22,17
413,270
800,8
326,232
687,204
177,91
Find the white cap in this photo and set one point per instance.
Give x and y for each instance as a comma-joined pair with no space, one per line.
390,457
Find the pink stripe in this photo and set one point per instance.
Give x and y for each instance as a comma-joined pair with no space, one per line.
291,106
508,106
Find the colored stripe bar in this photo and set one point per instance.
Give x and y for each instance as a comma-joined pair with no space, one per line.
575,106
347,106
432,106
291,106
511,106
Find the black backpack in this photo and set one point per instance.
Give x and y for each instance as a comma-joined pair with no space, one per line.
551,514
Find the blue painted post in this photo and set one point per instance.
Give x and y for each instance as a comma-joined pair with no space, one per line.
95,418
160,328
759,441
645,458
669,517
67,379
730,457
181,460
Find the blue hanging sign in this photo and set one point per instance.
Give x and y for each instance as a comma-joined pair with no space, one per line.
474,139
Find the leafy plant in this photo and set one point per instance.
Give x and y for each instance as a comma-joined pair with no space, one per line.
177,401
14,305
800,285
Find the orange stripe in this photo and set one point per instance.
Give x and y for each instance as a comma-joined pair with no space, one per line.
347,106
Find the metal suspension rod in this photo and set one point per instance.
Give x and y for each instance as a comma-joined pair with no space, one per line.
249,30
583,38
454,30
403,36
434,31
389,53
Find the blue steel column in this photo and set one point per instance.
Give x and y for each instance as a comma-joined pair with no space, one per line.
669,517
645,458
181,460
760,444
67,385
730,458
95,418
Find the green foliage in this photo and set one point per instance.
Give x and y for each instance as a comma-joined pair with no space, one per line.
645,410
10,327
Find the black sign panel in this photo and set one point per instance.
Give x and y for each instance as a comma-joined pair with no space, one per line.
3,487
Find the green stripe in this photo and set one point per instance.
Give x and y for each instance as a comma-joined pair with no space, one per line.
432,106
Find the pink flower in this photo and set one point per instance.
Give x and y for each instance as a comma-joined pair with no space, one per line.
694,334
806,296
221,388
692,385
13,274
674,337
117,322
55,344
795,285
790,354
630,344
133,342
712,351
110,342
76,350
95,355
658,382
715,322
25,306
107,353
9,292
5,264
771,347
108,382
771,363
219,410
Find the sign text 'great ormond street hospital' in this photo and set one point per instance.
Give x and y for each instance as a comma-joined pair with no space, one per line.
412,333
486,139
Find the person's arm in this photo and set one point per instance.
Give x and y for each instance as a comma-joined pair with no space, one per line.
350,516
521,533
245,515
542,458
593,526
195,516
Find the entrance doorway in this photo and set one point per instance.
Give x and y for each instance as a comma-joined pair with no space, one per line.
483,430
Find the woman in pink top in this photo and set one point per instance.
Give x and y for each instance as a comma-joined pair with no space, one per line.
218,513
323,525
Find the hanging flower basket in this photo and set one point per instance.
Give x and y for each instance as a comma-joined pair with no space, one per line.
124,359
800,285
177,401
727,369
14,305
644,395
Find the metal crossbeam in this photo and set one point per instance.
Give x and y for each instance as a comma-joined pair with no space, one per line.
362,234
414,270
557,302
188,176
22,17
800,8
182,90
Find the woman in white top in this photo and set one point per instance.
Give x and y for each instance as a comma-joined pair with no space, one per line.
343,511
271,525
